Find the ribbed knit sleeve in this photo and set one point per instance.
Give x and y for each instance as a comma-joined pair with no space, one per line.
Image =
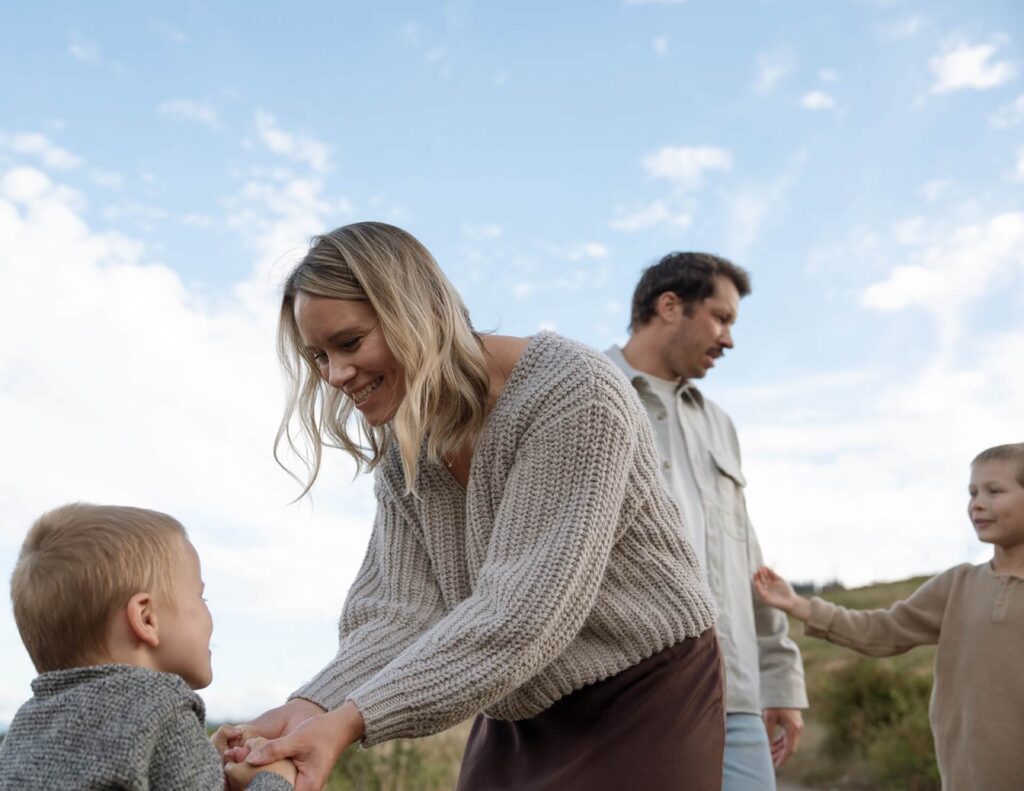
553,532
907,624
393,600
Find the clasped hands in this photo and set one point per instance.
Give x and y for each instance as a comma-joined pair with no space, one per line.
305,743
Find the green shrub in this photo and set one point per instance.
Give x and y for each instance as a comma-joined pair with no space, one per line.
877,712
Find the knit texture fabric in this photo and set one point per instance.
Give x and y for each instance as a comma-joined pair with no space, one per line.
114,727
560,564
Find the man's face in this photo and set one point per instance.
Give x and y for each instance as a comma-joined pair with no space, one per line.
694,342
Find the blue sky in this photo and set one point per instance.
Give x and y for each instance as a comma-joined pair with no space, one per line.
160,170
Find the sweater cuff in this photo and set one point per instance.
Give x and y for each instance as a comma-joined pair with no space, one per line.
325,690
387,715
269,781
820,622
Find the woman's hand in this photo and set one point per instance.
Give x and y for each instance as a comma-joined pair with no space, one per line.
776,592
314,746
230,740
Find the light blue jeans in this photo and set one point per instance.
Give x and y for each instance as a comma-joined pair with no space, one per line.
748,757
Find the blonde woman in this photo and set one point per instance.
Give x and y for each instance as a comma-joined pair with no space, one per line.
526,564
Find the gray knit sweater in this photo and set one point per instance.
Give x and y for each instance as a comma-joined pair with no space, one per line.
114,727
561,564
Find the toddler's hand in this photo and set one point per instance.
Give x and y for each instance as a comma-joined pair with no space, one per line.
240,773
229,741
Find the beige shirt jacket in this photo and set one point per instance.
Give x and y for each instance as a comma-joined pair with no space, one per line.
763,665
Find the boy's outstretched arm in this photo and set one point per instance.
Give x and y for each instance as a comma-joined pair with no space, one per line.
914,621
778,593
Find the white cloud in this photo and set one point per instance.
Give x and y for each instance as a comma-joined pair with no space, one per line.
902,29
654,2
962,66
50,155
685,166
889,436
1010,114
817,100
190,110
828,75
660,46
643,218
950,268
1018,173
176,398
84,49
749,206
296,147
772,67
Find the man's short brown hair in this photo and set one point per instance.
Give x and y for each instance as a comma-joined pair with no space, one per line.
690,276
78,565
1013,453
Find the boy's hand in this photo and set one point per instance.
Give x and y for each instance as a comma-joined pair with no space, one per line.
776,592
228,738
240,774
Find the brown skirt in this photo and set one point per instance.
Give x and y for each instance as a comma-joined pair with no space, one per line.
657,726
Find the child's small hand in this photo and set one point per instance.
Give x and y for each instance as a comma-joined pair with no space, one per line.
239,774
776,592
229,741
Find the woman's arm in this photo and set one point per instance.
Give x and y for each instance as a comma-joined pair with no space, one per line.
552,535
394,599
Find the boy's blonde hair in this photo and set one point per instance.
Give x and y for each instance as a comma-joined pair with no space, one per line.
1013,452
425,325
79,564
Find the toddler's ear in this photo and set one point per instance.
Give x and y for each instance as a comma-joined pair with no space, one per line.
142,619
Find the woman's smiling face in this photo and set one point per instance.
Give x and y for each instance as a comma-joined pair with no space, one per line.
344,340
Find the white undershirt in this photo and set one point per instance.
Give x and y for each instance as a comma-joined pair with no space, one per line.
679,473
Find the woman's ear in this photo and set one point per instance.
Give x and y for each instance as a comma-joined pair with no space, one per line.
142,619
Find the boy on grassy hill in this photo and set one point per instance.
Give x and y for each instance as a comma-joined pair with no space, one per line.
109,603
975,614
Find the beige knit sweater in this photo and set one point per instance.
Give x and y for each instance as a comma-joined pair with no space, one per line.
561,563
977,709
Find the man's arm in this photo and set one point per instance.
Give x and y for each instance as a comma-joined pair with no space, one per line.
783,688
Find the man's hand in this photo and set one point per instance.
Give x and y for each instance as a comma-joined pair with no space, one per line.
784,729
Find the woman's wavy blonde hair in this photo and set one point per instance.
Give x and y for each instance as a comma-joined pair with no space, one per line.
425,325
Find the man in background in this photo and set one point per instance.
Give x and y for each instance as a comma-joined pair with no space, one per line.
683,311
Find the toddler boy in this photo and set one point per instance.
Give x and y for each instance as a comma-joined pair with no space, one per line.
109,603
